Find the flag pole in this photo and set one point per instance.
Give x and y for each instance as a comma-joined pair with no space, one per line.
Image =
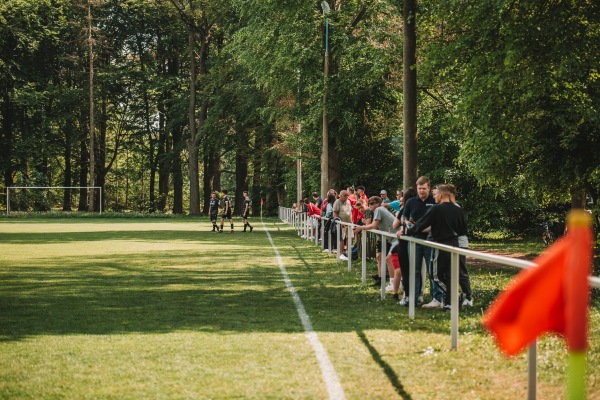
576,378
579,221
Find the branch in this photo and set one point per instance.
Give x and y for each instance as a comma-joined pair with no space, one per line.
434,97
359,16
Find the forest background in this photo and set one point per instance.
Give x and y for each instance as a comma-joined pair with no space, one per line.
161,102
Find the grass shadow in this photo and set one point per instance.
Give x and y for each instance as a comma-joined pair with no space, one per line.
387,369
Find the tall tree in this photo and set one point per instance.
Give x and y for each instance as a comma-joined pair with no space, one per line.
411,149
526,73
92,138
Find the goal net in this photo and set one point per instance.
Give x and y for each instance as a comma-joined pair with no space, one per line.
48,198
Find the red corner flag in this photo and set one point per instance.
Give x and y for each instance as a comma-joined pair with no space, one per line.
552,297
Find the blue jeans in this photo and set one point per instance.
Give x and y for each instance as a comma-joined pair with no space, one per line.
436,292
423,253
420,253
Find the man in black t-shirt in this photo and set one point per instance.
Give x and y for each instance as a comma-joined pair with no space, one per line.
246,212
226,214
414,209
213,210
447,223
317,199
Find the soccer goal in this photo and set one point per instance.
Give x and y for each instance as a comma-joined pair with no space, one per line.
45,194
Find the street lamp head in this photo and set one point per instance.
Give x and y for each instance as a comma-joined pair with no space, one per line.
325,7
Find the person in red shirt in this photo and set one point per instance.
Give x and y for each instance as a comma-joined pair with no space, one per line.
352,199
312,211
361,194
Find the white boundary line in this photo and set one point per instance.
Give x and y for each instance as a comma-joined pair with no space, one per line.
331,379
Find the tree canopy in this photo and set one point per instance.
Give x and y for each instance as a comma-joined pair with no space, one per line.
196,96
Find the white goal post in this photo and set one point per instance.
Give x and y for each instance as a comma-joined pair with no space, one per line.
49,187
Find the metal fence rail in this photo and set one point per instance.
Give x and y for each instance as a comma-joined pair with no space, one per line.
305,226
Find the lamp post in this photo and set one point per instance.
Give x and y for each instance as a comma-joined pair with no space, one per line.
299,154
325,146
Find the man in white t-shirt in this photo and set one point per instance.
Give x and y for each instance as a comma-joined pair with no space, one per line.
342,209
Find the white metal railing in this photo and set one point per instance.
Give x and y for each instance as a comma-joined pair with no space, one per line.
302,221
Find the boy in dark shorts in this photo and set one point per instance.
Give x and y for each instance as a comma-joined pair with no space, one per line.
213,210
246,212
226,214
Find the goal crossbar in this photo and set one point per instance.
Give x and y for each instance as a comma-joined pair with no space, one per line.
49,187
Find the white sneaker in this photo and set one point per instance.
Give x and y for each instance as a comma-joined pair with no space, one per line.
433,304
467,302
326,251
404,301
343,257
389,288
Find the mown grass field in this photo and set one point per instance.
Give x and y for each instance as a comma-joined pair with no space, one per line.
166,309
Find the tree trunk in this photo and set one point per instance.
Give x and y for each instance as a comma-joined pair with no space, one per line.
176,169
68,178
257,184
176,145
83,172
410,157
6,137
212,178
92,138
101,168
578,197
241,169
193,141
164,148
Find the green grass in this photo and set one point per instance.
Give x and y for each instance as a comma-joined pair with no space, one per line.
165,309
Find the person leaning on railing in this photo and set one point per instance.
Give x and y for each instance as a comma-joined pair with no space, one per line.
447,222
342,209
382,220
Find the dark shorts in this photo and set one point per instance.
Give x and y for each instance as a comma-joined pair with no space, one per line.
380,246
227,215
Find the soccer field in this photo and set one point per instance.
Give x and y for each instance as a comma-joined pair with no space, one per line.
167,309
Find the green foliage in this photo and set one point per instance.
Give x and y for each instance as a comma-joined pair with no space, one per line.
508,99
526,76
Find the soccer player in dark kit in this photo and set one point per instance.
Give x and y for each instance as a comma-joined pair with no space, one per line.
226,214
246,212
213,210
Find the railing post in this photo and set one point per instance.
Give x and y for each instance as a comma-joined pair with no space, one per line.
349,251
383,266
323,220
338,230
329,239
363,245
454,300
412,248
532,371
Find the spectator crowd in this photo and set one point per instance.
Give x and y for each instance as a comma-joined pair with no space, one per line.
424,212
